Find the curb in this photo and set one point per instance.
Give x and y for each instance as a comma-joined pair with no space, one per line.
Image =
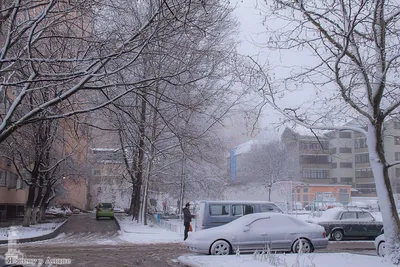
118,223
51,235
188,263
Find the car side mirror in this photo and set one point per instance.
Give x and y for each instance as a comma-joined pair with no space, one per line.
246,228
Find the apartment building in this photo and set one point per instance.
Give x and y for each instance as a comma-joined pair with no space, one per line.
107,182
341,157
314,156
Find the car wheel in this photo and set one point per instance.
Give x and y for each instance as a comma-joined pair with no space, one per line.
337,235
97,217
306,246
381,249
220,247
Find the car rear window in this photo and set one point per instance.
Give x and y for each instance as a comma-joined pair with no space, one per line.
105,205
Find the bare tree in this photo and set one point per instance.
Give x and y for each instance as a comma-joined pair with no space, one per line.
269,163
355,48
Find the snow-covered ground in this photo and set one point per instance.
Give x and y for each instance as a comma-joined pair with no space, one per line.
286,260
136,233
19,232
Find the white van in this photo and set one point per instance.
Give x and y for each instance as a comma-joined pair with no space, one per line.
216,213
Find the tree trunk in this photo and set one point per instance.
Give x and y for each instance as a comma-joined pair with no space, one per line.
29,203
133,198
391,222
269,193
141,148
37,202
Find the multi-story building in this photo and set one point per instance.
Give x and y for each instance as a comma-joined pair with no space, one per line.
347,157
313,153
107,182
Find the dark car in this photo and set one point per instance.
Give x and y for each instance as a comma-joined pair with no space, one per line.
345,223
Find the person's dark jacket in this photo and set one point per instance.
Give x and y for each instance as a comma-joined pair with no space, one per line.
187,217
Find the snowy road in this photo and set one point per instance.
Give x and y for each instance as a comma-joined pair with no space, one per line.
159,255
85,230
88,242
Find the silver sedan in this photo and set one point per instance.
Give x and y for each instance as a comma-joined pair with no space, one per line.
258,231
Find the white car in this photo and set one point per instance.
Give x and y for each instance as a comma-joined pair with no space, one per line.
380,245
257,231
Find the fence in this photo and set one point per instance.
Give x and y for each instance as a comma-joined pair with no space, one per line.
174,225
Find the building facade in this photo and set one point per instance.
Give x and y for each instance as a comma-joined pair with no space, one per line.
341,157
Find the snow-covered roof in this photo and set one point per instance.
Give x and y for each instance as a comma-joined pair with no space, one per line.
246,146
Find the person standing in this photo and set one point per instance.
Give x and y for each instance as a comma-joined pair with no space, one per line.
187,218
164,206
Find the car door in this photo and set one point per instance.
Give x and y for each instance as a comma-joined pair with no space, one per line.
255,235
267,232
349,223
368,225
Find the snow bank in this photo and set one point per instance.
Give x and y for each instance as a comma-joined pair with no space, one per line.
287,260
19,232
136,233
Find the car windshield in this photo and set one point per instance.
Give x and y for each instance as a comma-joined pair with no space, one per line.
105,205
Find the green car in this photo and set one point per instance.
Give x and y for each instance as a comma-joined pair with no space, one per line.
104,210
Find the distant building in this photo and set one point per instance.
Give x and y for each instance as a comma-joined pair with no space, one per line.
341,157
313,154
322,194
237,173
107,183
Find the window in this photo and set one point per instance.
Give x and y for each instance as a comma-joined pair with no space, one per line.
347,180
397,172
344,134
298,198
360,143
366,188
348,215
237,210
248,209
346,165
364,216
219,210
345,150
364,173
314,145
311,159
305,190
316,174
12,180
362,158
305,197
3,178
269,208
343,190
397,140
334,165
397,155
